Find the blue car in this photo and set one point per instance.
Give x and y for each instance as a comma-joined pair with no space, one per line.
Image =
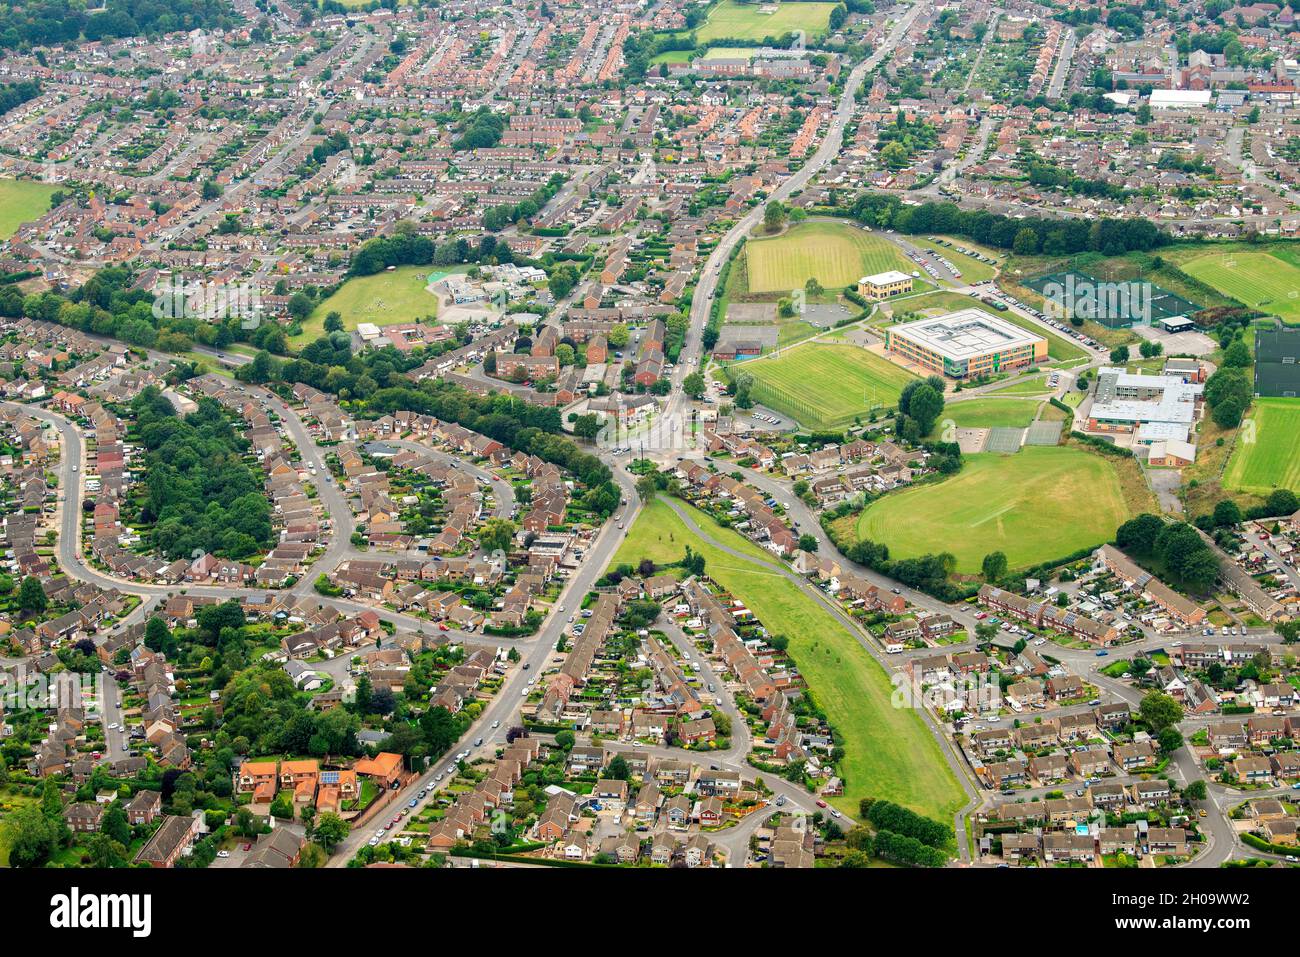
412,803
1102,654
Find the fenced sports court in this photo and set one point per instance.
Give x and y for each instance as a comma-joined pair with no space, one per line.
1115,303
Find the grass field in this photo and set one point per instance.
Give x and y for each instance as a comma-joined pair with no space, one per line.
932,303
888,752
746,21
1034,386
21,201
384,299
833,253
1270,461
824,386
1039,504
989,413
1262,280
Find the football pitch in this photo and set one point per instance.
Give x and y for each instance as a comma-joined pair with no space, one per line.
21,201
1042,503
1265,456
385,299
750,21
834,254
1260,280
826,386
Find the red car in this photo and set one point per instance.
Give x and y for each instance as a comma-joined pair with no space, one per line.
443,627
821,803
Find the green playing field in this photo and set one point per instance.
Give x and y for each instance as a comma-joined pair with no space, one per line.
21,201
826,386
1261,280
755,21
835,254
1265,454
1044,502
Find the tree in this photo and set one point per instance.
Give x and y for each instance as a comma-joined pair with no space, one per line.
894,155
1160,711
1139,534
1227,512
1170,740
1119,355
31,596
32,837
1196,791
331,830
157,636
334,322
925,406
646,488
994,566
774,216
808,543
1237,355
693,385
497,534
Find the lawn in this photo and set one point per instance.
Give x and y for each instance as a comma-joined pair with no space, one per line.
385,298
989,413
21,201
835,254
824,386
746,21
1034,385
933,303
1039,504
1262,280
1270,460
888,752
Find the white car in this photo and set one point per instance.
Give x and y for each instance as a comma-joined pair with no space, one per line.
223,853
496,724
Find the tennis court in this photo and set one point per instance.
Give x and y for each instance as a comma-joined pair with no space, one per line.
1116,304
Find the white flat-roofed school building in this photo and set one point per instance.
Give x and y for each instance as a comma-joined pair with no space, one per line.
966,344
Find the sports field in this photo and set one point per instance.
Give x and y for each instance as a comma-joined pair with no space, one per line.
832,253
989,413
749,21
384,299
888,752
21,201
1263,281
1265,455
824,386
1044,502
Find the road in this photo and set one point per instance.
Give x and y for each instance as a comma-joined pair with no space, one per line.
502,709
706,290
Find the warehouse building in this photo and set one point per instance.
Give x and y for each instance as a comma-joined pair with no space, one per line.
966,344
